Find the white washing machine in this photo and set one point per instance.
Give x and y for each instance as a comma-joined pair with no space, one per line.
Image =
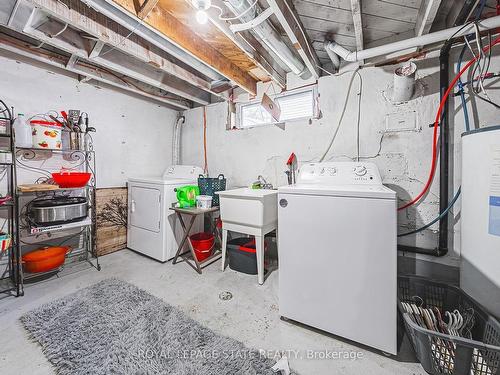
153,228
337,253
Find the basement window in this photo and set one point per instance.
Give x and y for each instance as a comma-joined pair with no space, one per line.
300,104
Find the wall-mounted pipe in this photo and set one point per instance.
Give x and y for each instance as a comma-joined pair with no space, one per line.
269,36
176,141
438,36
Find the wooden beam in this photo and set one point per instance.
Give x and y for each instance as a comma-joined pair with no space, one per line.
146,7
290,21
358,23
183,37
426,15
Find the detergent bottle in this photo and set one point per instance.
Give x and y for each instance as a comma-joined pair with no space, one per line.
186,195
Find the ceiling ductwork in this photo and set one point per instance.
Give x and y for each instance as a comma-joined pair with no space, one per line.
267,34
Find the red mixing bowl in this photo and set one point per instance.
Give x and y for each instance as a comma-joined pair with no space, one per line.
71,179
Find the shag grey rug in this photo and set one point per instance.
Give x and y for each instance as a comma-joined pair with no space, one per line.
113,327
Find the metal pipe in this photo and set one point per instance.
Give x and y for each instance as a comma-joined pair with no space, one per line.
269,36
444,153
439,36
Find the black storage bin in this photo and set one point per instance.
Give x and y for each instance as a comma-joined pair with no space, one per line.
242,257
445,354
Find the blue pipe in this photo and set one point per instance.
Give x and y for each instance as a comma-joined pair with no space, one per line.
443,214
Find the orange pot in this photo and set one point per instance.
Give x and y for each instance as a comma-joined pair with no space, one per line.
45,259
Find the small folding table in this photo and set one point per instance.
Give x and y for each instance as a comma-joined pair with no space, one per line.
189,256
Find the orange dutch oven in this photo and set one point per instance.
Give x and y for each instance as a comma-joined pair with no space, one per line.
45,259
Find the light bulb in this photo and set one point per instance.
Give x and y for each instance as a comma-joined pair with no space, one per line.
201,17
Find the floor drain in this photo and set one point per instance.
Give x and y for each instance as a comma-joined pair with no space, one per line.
225,296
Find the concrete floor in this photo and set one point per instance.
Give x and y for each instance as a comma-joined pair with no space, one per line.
251,316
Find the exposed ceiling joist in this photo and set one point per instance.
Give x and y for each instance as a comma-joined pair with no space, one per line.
290,21
90,23
128,19
87,72
358,23
145,8
182,36
426,15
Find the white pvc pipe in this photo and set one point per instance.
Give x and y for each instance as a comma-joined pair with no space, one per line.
333,56
438,36
176,142
404,83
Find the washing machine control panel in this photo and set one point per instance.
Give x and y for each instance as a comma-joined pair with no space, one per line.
339,173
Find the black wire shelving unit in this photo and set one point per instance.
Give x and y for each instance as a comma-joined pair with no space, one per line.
10,257
33,160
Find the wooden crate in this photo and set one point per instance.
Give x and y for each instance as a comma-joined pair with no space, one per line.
110,237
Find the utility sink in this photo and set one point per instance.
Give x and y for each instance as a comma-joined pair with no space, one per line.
249,207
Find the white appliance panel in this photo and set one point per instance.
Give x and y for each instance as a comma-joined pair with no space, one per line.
480,217
337,266
338,252
145,208
153,228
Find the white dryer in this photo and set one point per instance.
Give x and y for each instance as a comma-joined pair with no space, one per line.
153,228
337,252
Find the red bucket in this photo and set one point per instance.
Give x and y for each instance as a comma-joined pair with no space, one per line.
203,244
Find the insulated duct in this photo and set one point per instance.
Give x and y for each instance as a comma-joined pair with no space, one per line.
269,36
439,36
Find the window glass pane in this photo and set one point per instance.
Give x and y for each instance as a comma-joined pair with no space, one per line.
254,114
296,105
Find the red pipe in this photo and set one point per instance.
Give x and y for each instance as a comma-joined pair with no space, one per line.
436,126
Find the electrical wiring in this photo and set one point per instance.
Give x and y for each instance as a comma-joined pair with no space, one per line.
115,46
354,74
53,36
461,85
436,125
462,91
